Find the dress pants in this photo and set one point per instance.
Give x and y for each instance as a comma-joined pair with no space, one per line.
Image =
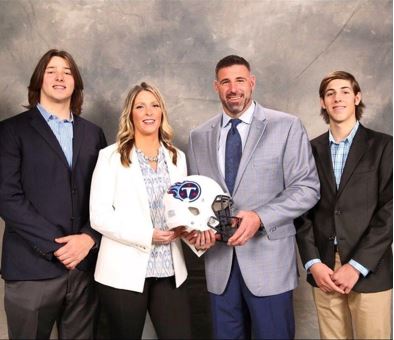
32,307
355,315
168,308
238,314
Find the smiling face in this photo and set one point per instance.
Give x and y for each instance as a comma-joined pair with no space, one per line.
340,102
146,115
58,83
235,86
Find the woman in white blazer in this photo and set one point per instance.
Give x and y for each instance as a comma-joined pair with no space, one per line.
140,263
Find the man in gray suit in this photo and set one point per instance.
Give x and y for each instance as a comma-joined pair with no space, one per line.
263,159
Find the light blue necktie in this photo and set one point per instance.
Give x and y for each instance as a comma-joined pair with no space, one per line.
233,154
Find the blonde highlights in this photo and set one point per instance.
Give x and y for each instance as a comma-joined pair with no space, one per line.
125,138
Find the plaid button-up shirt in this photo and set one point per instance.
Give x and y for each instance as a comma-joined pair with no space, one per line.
340,151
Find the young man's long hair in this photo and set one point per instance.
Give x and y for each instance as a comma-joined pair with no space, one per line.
355,86
38,77
126,134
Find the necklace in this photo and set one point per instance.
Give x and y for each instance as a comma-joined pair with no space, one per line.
154,159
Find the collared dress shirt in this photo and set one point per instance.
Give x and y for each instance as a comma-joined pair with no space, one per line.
340,151
63,130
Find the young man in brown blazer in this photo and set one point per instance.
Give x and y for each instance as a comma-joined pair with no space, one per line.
345,240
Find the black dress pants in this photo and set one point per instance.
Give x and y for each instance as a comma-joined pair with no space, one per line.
126,310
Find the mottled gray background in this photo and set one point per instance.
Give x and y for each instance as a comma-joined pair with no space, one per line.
175,45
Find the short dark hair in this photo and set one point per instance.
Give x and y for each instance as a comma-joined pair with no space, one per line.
231,60
38,76
355,87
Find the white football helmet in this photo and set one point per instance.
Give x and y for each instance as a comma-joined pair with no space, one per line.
188,202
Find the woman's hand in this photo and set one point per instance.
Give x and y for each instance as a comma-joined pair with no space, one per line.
190,237
201,240
205,240
161,237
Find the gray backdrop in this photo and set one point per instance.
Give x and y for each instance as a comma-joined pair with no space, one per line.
175,45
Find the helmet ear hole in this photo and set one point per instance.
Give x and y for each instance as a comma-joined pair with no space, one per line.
194,211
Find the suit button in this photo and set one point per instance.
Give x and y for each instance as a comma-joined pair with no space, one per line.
337,212
273,229
74,191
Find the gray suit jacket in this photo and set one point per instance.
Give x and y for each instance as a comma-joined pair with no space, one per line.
277,178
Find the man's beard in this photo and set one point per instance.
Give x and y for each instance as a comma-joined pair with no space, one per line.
236,109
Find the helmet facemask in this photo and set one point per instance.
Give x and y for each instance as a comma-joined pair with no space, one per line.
223,222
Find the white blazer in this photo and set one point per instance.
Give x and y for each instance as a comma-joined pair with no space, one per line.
119,210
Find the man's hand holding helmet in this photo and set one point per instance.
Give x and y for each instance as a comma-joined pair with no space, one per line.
249,226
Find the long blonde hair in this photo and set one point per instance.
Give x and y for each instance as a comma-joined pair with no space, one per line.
126,134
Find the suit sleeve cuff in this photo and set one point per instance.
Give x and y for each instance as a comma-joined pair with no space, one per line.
364,271
310,263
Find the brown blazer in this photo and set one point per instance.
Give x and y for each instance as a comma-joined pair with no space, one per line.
359,213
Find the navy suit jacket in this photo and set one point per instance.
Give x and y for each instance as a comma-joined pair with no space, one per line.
41,198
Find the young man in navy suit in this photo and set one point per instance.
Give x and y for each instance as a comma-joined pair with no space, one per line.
345,240
47,156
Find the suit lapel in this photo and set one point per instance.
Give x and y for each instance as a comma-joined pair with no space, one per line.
256,131
41,126
137,183
357,150
212,138
173,170
325,161
78,138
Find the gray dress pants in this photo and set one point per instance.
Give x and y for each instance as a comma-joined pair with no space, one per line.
32,307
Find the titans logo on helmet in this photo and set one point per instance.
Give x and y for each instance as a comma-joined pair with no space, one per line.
186,190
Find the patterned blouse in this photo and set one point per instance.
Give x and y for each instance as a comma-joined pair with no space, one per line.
156,182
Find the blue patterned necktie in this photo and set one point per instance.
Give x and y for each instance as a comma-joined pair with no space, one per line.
233,155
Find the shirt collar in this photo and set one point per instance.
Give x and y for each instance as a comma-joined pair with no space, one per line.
349,137
49,116
246,117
